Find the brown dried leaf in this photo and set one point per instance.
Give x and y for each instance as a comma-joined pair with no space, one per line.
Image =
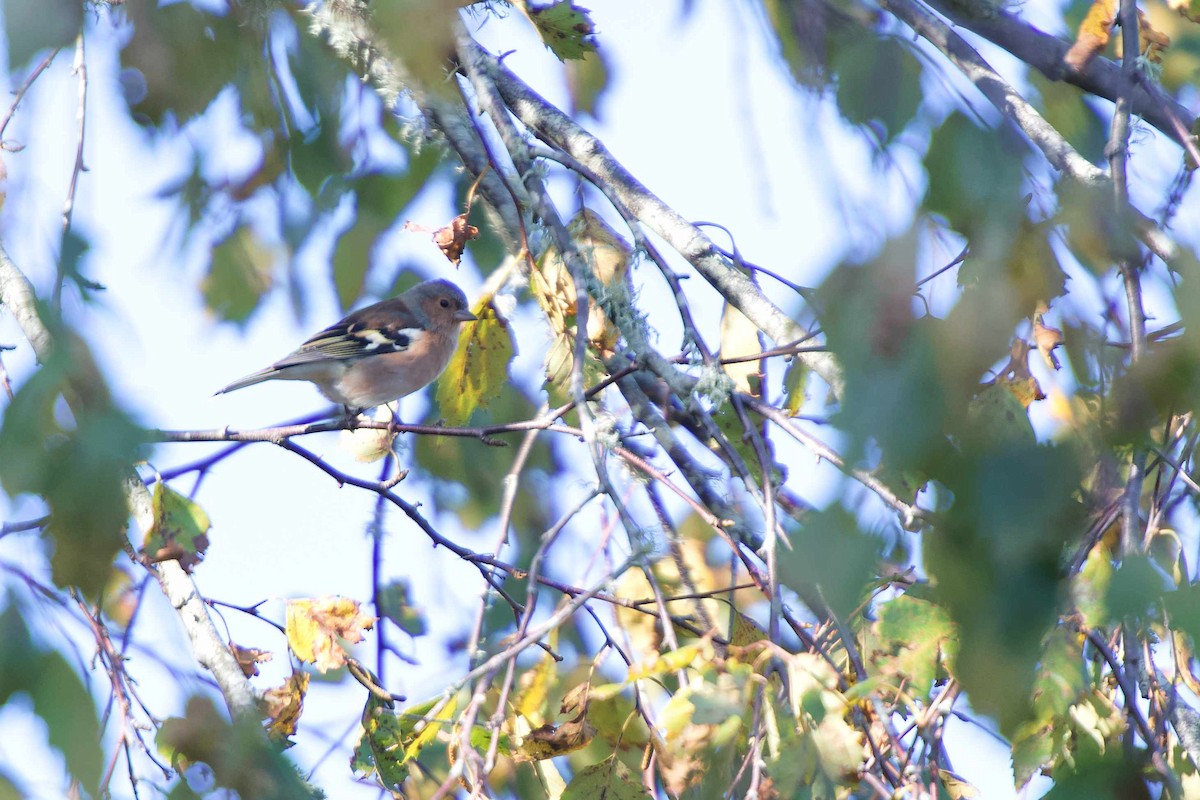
1047,340
1151,42
249,658
284,704
453,238
549,741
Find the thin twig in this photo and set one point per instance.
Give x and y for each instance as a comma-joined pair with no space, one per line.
19,95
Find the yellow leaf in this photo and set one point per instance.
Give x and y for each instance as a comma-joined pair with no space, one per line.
1094,34
479,368
425,723
315,629
739,337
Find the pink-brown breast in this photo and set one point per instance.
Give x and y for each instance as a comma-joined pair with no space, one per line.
376,380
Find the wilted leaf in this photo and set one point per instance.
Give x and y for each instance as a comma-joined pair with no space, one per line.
179,531
550,741
607,255
368,445
451,238
315,629
284,704
249,658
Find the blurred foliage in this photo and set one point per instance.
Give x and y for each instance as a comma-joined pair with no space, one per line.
1052,586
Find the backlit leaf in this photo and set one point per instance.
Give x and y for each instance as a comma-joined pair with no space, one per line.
479,369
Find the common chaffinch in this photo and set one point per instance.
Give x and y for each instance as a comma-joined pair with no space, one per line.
379,353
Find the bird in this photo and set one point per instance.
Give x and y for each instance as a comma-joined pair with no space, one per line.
379,353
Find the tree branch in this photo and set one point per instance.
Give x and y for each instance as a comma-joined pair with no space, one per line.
1102,77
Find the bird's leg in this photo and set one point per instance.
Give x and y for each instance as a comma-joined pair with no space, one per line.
394,424
351,416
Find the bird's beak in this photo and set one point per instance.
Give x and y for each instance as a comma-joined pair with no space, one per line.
464,316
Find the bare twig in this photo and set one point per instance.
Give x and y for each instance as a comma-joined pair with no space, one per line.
19,95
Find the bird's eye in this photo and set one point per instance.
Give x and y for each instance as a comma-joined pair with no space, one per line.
445,303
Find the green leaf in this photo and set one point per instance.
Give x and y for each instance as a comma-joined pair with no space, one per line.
59,697
1135,588
393,603
10,790
63,702
565,28
1033,749
975,177
238,276
587,81
421,33
1067,111
352,258
906,378
478,370
239,753
1110,777
1096,234
79,472
878,81
610,779
180,528
1089,589
30,27
1060,680
848,562
995,563
918,640
178,45
996,417
1183,607
381,749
